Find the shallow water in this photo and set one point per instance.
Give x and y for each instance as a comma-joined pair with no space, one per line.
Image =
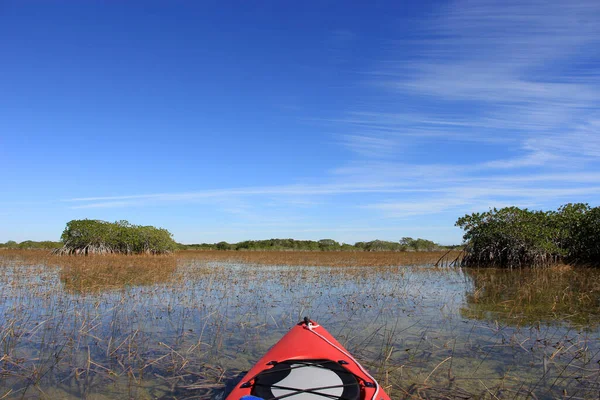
193,332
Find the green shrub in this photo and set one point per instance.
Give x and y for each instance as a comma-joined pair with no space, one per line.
101,237
514,237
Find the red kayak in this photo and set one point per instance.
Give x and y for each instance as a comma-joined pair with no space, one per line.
306,364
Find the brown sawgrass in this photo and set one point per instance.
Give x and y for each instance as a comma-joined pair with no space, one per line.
139,268
99,272
321,258
113,272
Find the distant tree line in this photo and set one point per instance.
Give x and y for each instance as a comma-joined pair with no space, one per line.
513,237
100,237
30,244
405,244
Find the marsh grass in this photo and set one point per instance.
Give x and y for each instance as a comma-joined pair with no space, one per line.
323,258
187,326
114,272
530,296
292,258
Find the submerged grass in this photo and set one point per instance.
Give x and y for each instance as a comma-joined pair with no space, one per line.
530,296
187,326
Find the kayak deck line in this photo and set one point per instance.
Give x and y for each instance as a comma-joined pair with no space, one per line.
308,363
309,325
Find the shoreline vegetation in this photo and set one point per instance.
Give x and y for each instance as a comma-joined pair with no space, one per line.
509,237
101,237
259,257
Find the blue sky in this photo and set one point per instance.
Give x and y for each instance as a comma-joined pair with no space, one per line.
252,120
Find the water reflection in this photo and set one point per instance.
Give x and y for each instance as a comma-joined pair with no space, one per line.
563,296
97,274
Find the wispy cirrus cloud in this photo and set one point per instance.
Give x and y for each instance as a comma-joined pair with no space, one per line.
400,191
370,145
464,199
294,192
515,82
504,71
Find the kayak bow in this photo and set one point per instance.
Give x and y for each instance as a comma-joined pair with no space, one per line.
308,363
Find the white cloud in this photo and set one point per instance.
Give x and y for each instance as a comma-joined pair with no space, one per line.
370,145
502,71
297,194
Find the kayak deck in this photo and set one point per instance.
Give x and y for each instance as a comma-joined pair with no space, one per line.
308,364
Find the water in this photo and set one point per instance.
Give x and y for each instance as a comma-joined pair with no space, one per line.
192,330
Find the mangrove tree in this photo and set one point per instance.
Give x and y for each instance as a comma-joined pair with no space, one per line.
100,237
